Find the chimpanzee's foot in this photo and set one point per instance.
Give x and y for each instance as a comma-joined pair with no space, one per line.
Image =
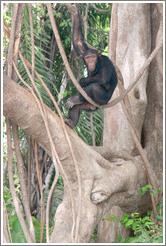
69,122
73,101
87,106
69,103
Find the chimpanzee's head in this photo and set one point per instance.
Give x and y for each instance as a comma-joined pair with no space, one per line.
91,58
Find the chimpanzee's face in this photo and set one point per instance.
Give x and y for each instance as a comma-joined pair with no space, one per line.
91,61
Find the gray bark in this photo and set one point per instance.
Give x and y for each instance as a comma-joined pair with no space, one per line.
111,180
153,124
132,50
104,184
137,30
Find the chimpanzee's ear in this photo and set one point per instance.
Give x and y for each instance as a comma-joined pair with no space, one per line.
81,56
99,53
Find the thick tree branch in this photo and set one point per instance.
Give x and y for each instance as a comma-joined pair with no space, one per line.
127,108
104,184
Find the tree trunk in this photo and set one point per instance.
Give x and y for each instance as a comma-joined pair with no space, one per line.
133,48
104,184
111,175
153,124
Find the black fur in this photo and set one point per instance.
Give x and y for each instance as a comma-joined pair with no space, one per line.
99,84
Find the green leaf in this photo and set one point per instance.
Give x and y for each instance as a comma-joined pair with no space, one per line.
146,218
127,240
125,216
135,215
148,186
59,15
119,238
129,222
12,220
111,218
143,191
153,192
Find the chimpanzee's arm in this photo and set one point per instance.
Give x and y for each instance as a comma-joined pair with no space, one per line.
97,78
89,80
78,39
102,78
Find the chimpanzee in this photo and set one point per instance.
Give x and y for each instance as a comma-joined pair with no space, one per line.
100,82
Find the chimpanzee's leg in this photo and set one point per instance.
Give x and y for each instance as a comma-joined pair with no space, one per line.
78,102
98,93
74,113
75,100
95,91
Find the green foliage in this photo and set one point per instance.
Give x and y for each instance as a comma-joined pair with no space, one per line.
99,25
41,45
14,224
83,128
56,200
37,226
136,223
8,201
119,238
17,233
94,236
16,230
144,230
111,218
147,188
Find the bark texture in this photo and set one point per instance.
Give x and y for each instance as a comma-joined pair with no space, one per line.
135,40
104,184
111,180
132,50
153,125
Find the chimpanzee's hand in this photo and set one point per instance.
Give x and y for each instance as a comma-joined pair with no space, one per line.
69,103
